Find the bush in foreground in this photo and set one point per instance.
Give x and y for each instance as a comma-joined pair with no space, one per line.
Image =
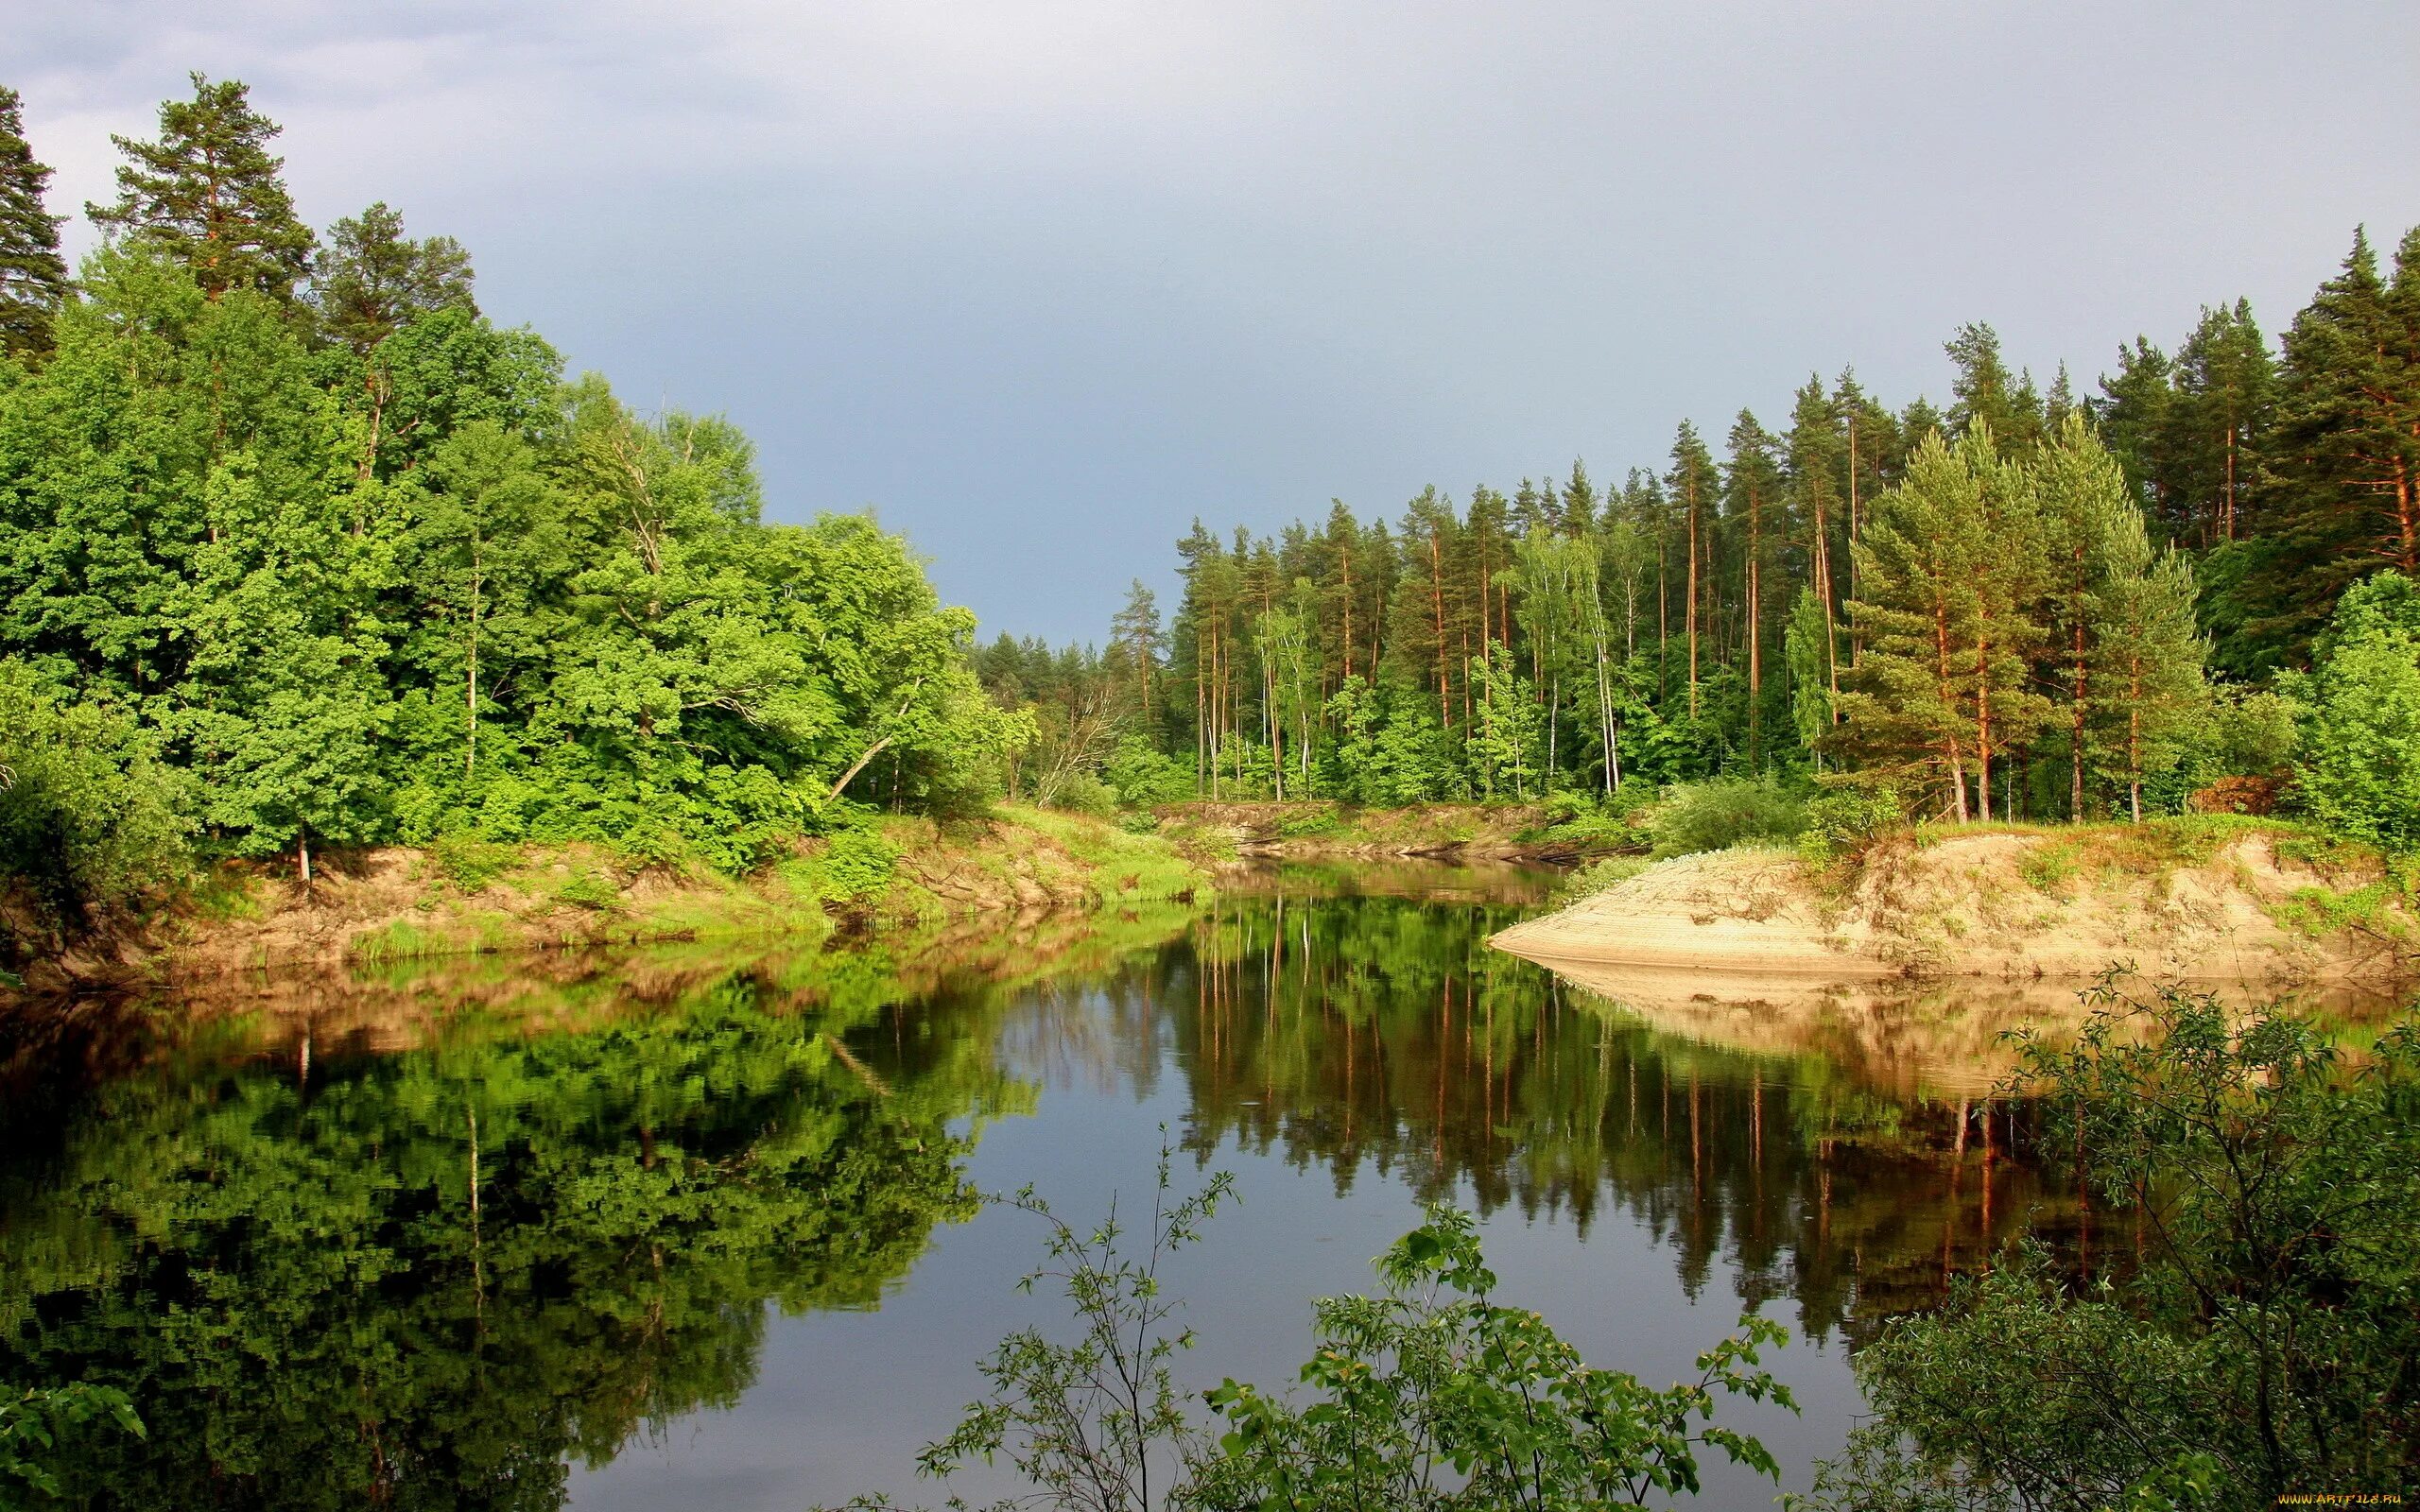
1429,1397
2266,1348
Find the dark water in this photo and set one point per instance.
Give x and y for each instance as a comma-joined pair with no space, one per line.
698,1228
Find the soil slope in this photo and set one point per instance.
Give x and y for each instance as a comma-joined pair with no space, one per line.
2195,904
1004,873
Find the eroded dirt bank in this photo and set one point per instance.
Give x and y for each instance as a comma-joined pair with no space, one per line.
2259,906
1003,872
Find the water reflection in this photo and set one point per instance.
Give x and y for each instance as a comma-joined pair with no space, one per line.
430,1235
1378,1036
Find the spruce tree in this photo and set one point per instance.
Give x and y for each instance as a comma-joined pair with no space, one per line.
373,278
33,277
2347,441
210,193
2134,410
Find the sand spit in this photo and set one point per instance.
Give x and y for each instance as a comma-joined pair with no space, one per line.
2011,907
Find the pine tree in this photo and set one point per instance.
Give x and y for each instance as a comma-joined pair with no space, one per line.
1690,485
1948,572
2225,390
33,277
1814,449
210,193
1752,490
2084,499
373,278
1985,392
1135,631
2149,660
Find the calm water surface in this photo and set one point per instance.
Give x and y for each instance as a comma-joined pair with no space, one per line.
701,1228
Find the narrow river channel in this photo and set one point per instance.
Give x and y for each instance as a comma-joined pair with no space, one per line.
697,1228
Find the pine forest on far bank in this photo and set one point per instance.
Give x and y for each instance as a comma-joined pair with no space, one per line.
2023,605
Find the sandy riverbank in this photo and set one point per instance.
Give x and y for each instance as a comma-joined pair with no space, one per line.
2185,902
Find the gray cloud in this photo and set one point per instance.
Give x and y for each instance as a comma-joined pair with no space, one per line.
1043,280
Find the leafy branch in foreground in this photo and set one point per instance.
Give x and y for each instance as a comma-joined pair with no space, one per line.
1086,1422
31,1425
1430,1396
1434,1396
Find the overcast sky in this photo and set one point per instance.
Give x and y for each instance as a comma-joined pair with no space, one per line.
1043,281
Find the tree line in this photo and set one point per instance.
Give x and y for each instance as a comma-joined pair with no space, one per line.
299,548
2024,604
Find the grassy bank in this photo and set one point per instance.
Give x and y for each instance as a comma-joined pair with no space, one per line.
466,897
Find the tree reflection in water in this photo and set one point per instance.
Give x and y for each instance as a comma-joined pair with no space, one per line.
427,1236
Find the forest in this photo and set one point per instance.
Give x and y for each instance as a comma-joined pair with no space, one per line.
299,550
2025,604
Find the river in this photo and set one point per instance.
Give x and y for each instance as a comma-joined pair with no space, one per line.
700,1226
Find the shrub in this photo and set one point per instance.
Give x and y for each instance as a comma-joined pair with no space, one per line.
1725,812
470,863
1429,1397
89,817
1145,777
1595,877
1083,793
855,861
1845,820
2266,1345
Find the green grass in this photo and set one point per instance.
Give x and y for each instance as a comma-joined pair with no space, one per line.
1127,867
220,895
468,933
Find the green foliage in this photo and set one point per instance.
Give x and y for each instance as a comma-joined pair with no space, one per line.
1843,819
1434,1396
470,863
1725,812
437,1279
858,862
1090,1424
2265,1347
1083,793
407,584
32,1424
1143,777
209,194
592,890
1594,877
33,277
89,817
1429,1396
2358,746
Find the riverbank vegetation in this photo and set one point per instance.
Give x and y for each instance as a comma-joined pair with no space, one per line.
299,550
2266,1346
